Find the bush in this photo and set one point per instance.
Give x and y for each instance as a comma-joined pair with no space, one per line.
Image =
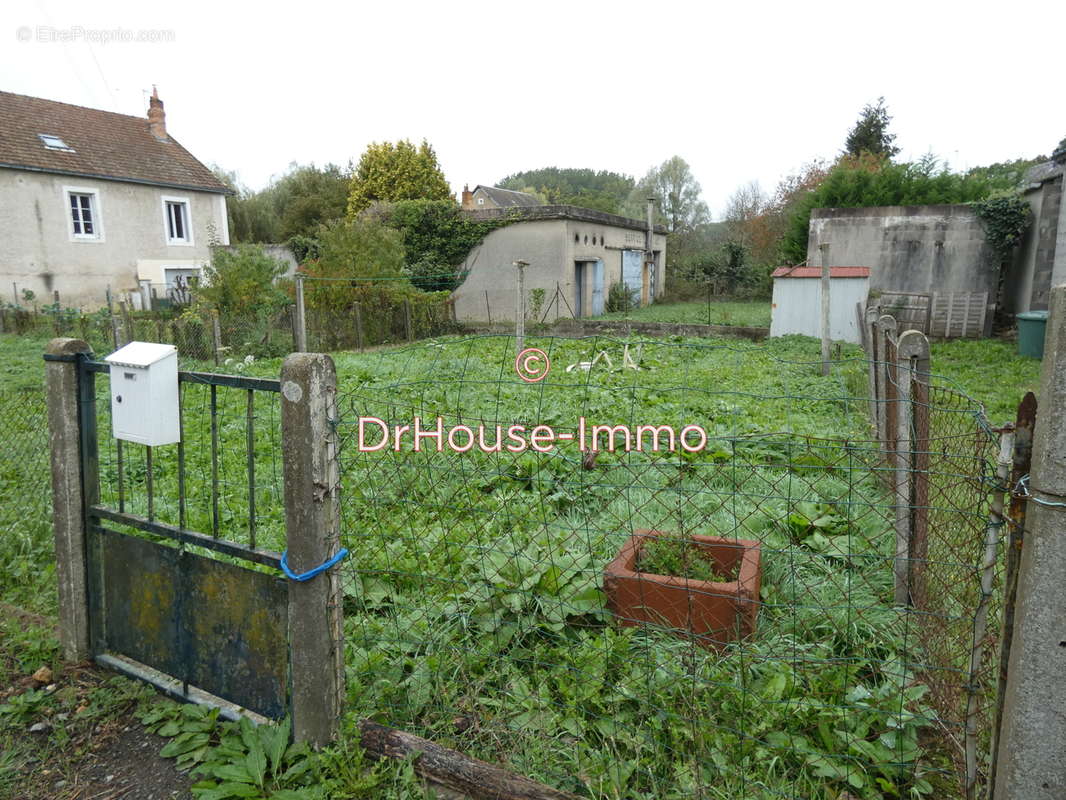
241,281
436,238
363,251
620,298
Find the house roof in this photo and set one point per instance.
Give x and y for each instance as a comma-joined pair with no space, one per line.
102,145
816,272
508,198
1045,171
531,213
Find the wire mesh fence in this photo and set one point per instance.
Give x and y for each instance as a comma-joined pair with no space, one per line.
483,601
26,551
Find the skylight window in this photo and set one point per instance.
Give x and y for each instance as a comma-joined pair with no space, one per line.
54,143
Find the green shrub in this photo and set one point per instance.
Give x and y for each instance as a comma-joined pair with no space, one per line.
620,298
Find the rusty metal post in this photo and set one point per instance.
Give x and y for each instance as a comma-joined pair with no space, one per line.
919,371
980,623
309,444
1025,421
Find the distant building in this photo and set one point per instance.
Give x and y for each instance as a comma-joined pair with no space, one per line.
797,301
91,199
574,255
484,198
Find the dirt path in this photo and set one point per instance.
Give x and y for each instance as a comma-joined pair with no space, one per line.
69,732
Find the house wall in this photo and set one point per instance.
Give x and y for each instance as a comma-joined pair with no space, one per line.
1040,260
552,247
490,266
797,304
38,253
938,248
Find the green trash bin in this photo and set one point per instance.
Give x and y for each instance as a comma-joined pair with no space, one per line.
1031,328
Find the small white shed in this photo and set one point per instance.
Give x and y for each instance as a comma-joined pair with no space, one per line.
797,301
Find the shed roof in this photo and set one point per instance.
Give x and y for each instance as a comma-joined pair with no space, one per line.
102,144
816,272
508,198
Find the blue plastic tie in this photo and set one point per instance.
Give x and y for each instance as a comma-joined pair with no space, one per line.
306,576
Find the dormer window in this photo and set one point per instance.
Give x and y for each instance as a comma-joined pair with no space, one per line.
54,143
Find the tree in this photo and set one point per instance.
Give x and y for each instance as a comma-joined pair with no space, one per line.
870,134
677,193
293,205
390,172
309,196
871,181
599,190
251,215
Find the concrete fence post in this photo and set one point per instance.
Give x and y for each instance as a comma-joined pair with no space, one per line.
827,338
309,444
1032,746
910,348
913,357
301,315
520,306
73,491
872,367
886,337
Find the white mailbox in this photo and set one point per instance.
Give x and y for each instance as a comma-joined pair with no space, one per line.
144,393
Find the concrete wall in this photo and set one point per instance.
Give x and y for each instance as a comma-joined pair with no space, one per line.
908,248
797,304
1040,261
38,252
551,246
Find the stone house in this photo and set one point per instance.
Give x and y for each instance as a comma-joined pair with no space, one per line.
485,198
574,256
91,200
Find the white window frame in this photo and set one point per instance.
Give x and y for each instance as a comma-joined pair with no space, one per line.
188,240
95,208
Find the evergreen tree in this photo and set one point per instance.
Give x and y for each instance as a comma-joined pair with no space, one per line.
870,134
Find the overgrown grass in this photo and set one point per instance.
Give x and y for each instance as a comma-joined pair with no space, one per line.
473,606
990,371
749,313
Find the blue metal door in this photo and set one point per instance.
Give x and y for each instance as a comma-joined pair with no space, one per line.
597,288
632,271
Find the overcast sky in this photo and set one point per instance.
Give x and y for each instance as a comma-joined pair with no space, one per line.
744,91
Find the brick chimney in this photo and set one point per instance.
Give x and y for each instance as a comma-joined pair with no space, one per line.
157,118
468,198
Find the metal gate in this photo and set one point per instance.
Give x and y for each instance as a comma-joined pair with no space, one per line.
179,607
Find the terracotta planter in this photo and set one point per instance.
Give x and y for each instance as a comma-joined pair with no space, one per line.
714,613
